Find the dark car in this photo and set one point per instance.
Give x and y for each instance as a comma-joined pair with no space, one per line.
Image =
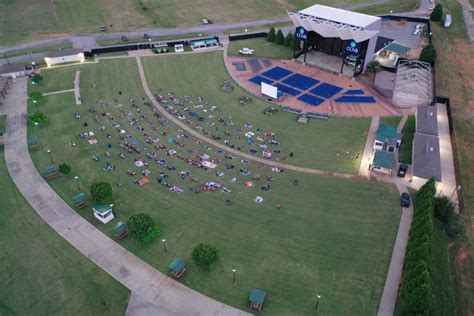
402,170
146,36
124,38
209,21
405,200
103,28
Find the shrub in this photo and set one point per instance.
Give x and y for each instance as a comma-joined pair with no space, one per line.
280,39
454,228
101,192
204,256
64,168
142,227
36,118
437,13
428,54
36,97
288,39
374,66
443,209
36,79
271,35
295,44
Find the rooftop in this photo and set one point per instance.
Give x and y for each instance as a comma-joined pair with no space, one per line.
426,157
9,68
64,52
427,120
387,132
384,159
340,15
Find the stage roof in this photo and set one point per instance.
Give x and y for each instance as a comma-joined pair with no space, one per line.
340,16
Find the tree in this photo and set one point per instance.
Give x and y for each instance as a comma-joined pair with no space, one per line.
374,66
37,118
443,209
101,193
204,256
295,44
437,13
64,168
288,39
271,35
142,227
280,39
36,79
428,54
36,97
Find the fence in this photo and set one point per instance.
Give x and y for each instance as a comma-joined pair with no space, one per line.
238,37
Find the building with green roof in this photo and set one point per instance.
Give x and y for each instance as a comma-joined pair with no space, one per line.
383,161
387,138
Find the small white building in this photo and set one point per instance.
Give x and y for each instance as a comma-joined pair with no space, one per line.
103,212
387,138
64,56
16,70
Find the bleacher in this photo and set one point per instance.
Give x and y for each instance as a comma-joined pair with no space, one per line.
277,73
258,80
255,65
311,100
290,110
286,89
353,92
300,82
355,99
239,65
317,115
326,90
267,62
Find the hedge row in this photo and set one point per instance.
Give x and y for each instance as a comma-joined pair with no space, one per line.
278,38
416,288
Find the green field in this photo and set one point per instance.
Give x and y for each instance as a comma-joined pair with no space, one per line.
408,132
292,253
3,124
26,20
391,7
391,120
315,144
41,274
262,49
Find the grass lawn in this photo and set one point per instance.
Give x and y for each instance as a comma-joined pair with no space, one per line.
454,78
42,49
55,80
408,131
262,49
26,20
391,120
3,124
314,144
394,6
41,274
292,253
111,42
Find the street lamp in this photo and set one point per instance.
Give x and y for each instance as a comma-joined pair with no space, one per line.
77,182
164,244
317,300
50,156
233,275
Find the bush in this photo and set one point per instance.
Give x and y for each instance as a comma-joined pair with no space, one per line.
64,168
101,193
36,118
428,54
36,79
454,228
36,97
374,66
204,256
288,39
443,209
142,227
437,13
295,44
280,39
271,35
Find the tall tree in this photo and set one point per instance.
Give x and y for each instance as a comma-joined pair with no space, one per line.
271,35
279,39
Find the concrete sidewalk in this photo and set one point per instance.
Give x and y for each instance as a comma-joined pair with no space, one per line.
369,146
153,288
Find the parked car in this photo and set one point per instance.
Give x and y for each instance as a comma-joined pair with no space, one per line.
209,21
146,36
402,170
405,200
103,28
124,38
246,51
205,21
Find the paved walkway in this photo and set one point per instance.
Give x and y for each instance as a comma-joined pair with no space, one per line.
402,123
369,146
150,285
77,87
394,274
58,92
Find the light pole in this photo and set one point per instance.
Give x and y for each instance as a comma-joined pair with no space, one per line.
77,182
164,244
50,156
233,275
317,301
